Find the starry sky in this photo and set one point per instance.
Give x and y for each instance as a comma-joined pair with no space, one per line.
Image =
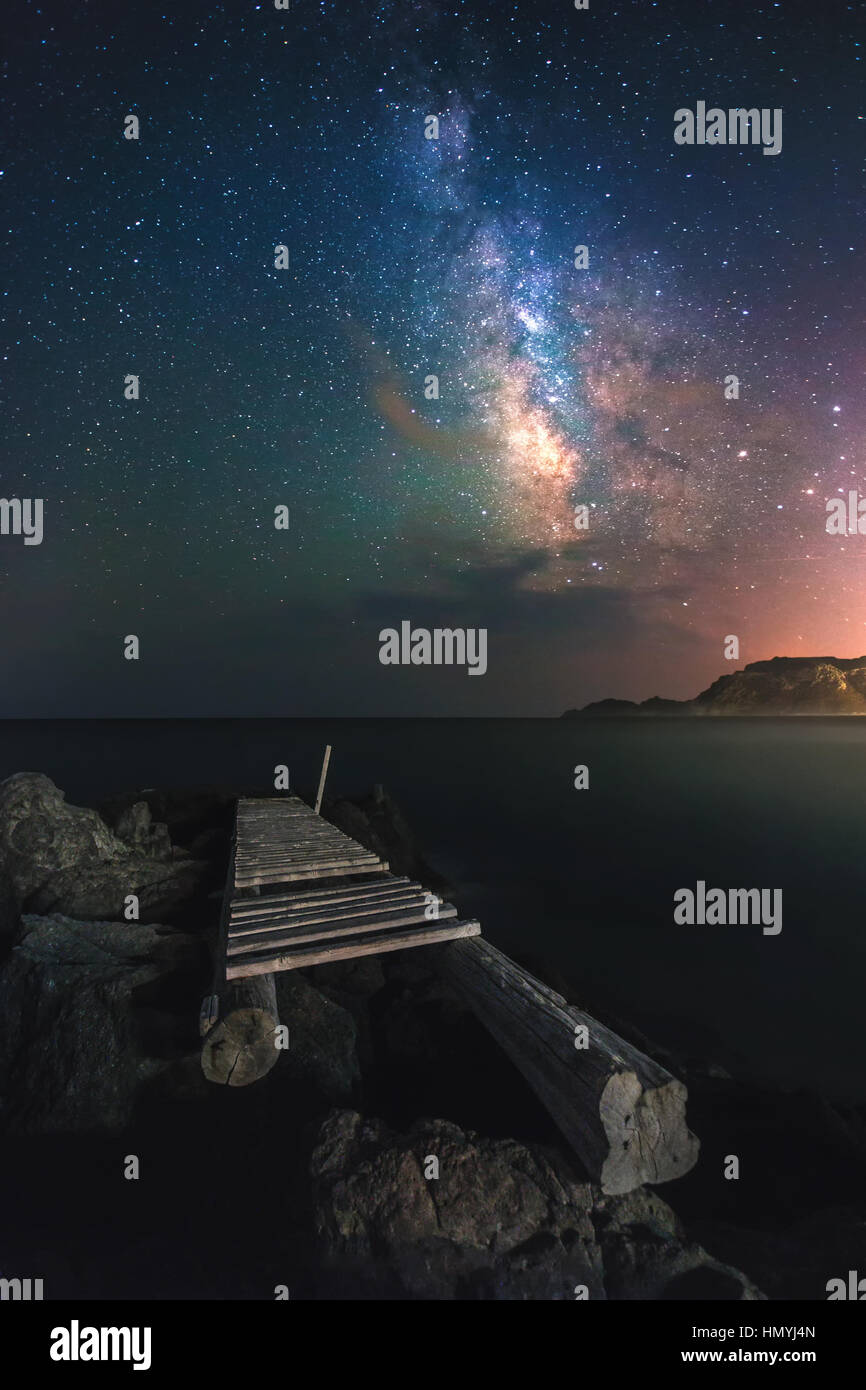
558,387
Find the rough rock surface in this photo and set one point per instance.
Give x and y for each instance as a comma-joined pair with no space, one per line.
503,1220
137,829
63,858
790,685
89,1013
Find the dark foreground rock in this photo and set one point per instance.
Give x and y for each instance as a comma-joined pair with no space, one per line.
502,1220
62,858
90,1013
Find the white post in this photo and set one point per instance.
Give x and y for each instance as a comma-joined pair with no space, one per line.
325,762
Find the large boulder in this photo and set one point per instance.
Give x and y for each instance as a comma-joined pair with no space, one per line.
502,1220
90,1012
62,858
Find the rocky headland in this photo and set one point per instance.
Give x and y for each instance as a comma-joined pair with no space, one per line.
783,685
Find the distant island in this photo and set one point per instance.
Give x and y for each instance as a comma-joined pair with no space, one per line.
782,685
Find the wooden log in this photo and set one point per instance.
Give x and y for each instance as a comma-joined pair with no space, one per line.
239,1046
621,1112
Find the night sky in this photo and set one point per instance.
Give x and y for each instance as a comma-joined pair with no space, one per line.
409,257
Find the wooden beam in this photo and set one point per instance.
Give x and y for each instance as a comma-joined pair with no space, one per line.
621,1112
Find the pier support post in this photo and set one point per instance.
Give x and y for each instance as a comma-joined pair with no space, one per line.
241,1046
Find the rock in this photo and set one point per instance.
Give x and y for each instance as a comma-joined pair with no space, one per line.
99,891
503,1220
322,1051
187,812
647,1254
40,835
90,1012
64,859
135,827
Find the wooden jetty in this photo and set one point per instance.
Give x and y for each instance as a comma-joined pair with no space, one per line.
621,1112
281,842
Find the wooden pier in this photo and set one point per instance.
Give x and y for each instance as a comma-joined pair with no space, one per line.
282,841
622,1113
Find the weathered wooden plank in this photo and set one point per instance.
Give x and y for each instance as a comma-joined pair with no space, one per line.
277,937
266,873
333,912
362,891
361,946
280,911
315,852
622,1113
318,861
300,876
294,845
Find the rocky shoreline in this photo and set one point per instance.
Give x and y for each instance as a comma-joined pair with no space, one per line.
386,1069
